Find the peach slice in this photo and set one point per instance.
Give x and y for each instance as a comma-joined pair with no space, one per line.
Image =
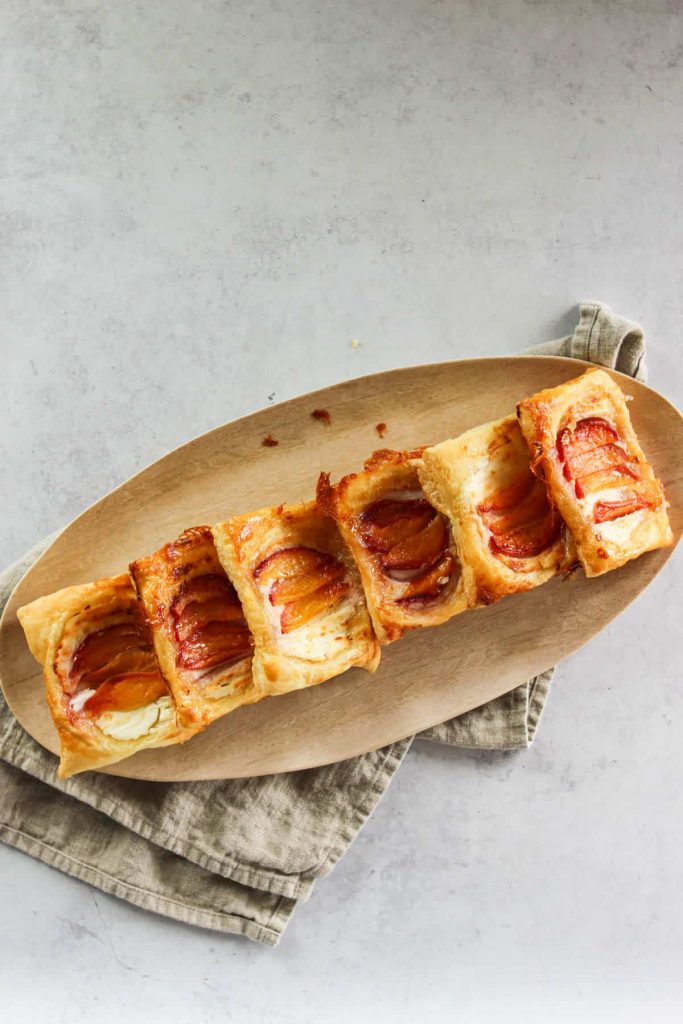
306,582
199,613
203,588
420,550
430,583
606,511
509,496
298,613
380,532
595,459
214,644
208,623
595,463
520,519
131,662
126,693
530,540
533,507
287,563
386,510
592,432
615,476
101,654
295,588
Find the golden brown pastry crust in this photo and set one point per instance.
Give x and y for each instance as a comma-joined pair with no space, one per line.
160,578
54,626
388,474
322,648
594,396
461,477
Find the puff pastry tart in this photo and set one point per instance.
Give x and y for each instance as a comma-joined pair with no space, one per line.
509,538
200,635
403,546
301,596
584,445
106,694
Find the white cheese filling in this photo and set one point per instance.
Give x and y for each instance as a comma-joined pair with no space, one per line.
132,725
325,636
615,531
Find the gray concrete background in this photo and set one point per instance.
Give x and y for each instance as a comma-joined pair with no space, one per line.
202,205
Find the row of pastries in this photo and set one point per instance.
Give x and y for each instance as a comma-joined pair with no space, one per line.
288,597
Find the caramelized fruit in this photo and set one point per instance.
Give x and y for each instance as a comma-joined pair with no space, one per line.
119,664
595,460
303,581
409,535
605,511
521,522
126,693
208,623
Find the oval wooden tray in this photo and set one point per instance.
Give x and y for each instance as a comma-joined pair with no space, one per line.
425,678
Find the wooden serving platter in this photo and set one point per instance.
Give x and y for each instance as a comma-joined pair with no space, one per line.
425,678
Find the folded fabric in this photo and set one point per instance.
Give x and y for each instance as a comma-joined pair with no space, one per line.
236,855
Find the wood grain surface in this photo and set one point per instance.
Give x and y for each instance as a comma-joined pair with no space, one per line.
426,678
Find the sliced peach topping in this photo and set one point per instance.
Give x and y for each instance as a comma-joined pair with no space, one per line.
119,664
214,644
592,447
303,581
198,613
104,652
589,433
202,588
297,587
510,495
532,507
133,662
390,521
607,456
605,511
595,459
520,520
126,693
288,563
411,541
422,549
298,613
409,535
208,623
430,583
529,540
603,479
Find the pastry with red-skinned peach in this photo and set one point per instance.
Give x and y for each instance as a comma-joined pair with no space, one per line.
199,632
402,543
584,447
301,596
509,537
106,694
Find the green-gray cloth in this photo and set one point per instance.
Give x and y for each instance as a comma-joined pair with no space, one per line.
236,855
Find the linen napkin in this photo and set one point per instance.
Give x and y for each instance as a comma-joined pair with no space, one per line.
237,855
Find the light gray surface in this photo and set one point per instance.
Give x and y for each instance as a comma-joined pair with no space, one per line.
203,204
